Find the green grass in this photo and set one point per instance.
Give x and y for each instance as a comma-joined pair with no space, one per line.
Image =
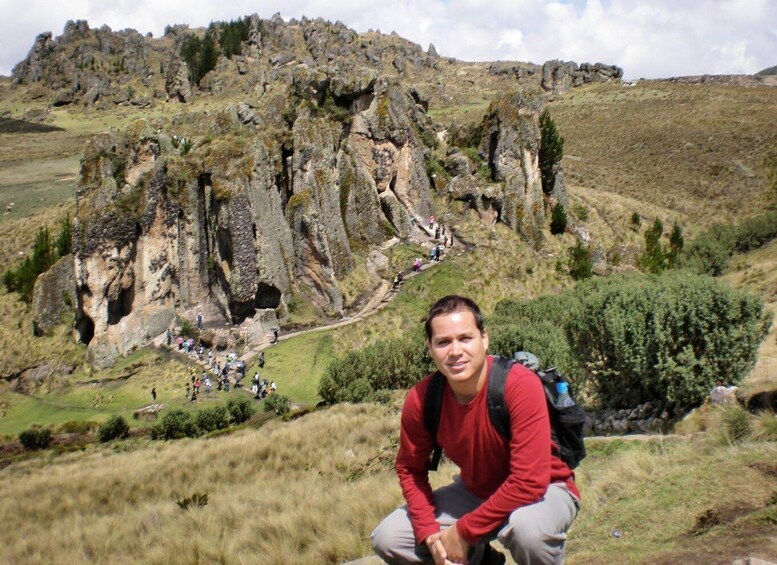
297,365
653,497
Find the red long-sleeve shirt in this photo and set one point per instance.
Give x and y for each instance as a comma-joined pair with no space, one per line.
506,474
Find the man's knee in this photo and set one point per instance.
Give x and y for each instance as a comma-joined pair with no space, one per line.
531,542
382,541
393,539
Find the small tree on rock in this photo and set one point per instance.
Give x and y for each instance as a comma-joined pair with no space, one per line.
551,151
558,219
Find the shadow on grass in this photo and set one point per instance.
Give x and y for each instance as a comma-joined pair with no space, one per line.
9,125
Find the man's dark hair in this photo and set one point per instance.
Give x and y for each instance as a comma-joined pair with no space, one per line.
450,304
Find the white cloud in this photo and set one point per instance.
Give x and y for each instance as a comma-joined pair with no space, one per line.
648,38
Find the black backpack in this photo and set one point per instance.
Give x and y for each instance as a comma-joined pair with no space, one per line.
566,424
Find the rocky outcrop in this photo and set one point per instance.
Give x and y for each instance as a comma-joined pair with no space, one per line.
558,76
510,142
54,295
244,223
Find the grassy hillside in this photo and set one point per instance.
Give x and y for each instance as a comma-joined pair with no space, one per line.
704,152
703,499
311,490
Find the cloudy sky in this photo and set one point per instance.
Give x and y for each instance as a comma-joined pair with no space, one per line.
648,38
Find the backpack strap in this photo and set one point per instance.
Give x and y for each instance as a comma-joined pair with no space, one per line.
432,413
497,411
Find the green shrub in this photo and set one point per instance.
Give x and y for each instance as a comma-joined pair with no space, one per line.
636,220
176,424
387,364
668,338
382,396
534,325
212,419
580,264
278,403
653,259
754,232
676,244
558,219
35,438
115,428
240,409
709,253
356,391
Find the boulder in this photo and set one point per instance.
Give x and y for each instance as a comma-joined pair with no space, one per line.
54,295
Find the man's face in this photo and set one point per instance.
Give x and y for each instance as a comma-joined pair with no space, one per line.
457,347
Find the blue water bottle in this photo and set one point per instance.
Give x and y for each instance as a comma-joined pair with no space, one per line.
563,400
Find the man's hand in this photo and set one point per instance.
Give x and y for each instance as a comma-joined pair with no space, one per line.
455,546
447,547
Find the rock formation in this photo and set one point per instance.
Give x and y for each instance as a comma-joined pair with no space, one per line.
244,223
271,201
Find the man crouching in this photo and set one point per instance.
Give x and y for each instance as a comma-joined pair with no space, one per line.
516,490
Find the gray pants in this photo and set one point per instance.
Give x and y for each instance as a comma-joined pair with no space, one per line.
533,534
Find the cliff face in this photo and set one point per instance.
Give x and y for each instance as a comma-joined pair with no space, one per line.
242,222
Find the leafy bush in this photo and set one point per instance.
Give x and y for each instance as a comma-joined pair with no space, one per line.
558,219
35,438
278,403
653,259
387,364
671,338
212,419
537,326
176,424
580,264
636,220
115,428
709,253
240,409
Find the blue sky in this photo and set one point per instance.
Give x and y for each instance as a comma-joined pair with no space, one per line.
648,38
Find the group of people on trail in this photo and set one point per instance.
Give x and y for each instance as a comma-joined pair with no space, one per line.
261,388
228,374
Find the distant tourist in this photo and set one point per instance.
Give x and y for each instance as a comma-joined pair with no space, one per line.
153,394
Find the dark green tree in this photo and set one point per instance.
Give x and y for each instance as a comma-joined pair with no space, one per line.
64,242
580,262
653,259
551,151
208,57
676,243
233,34
558,219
